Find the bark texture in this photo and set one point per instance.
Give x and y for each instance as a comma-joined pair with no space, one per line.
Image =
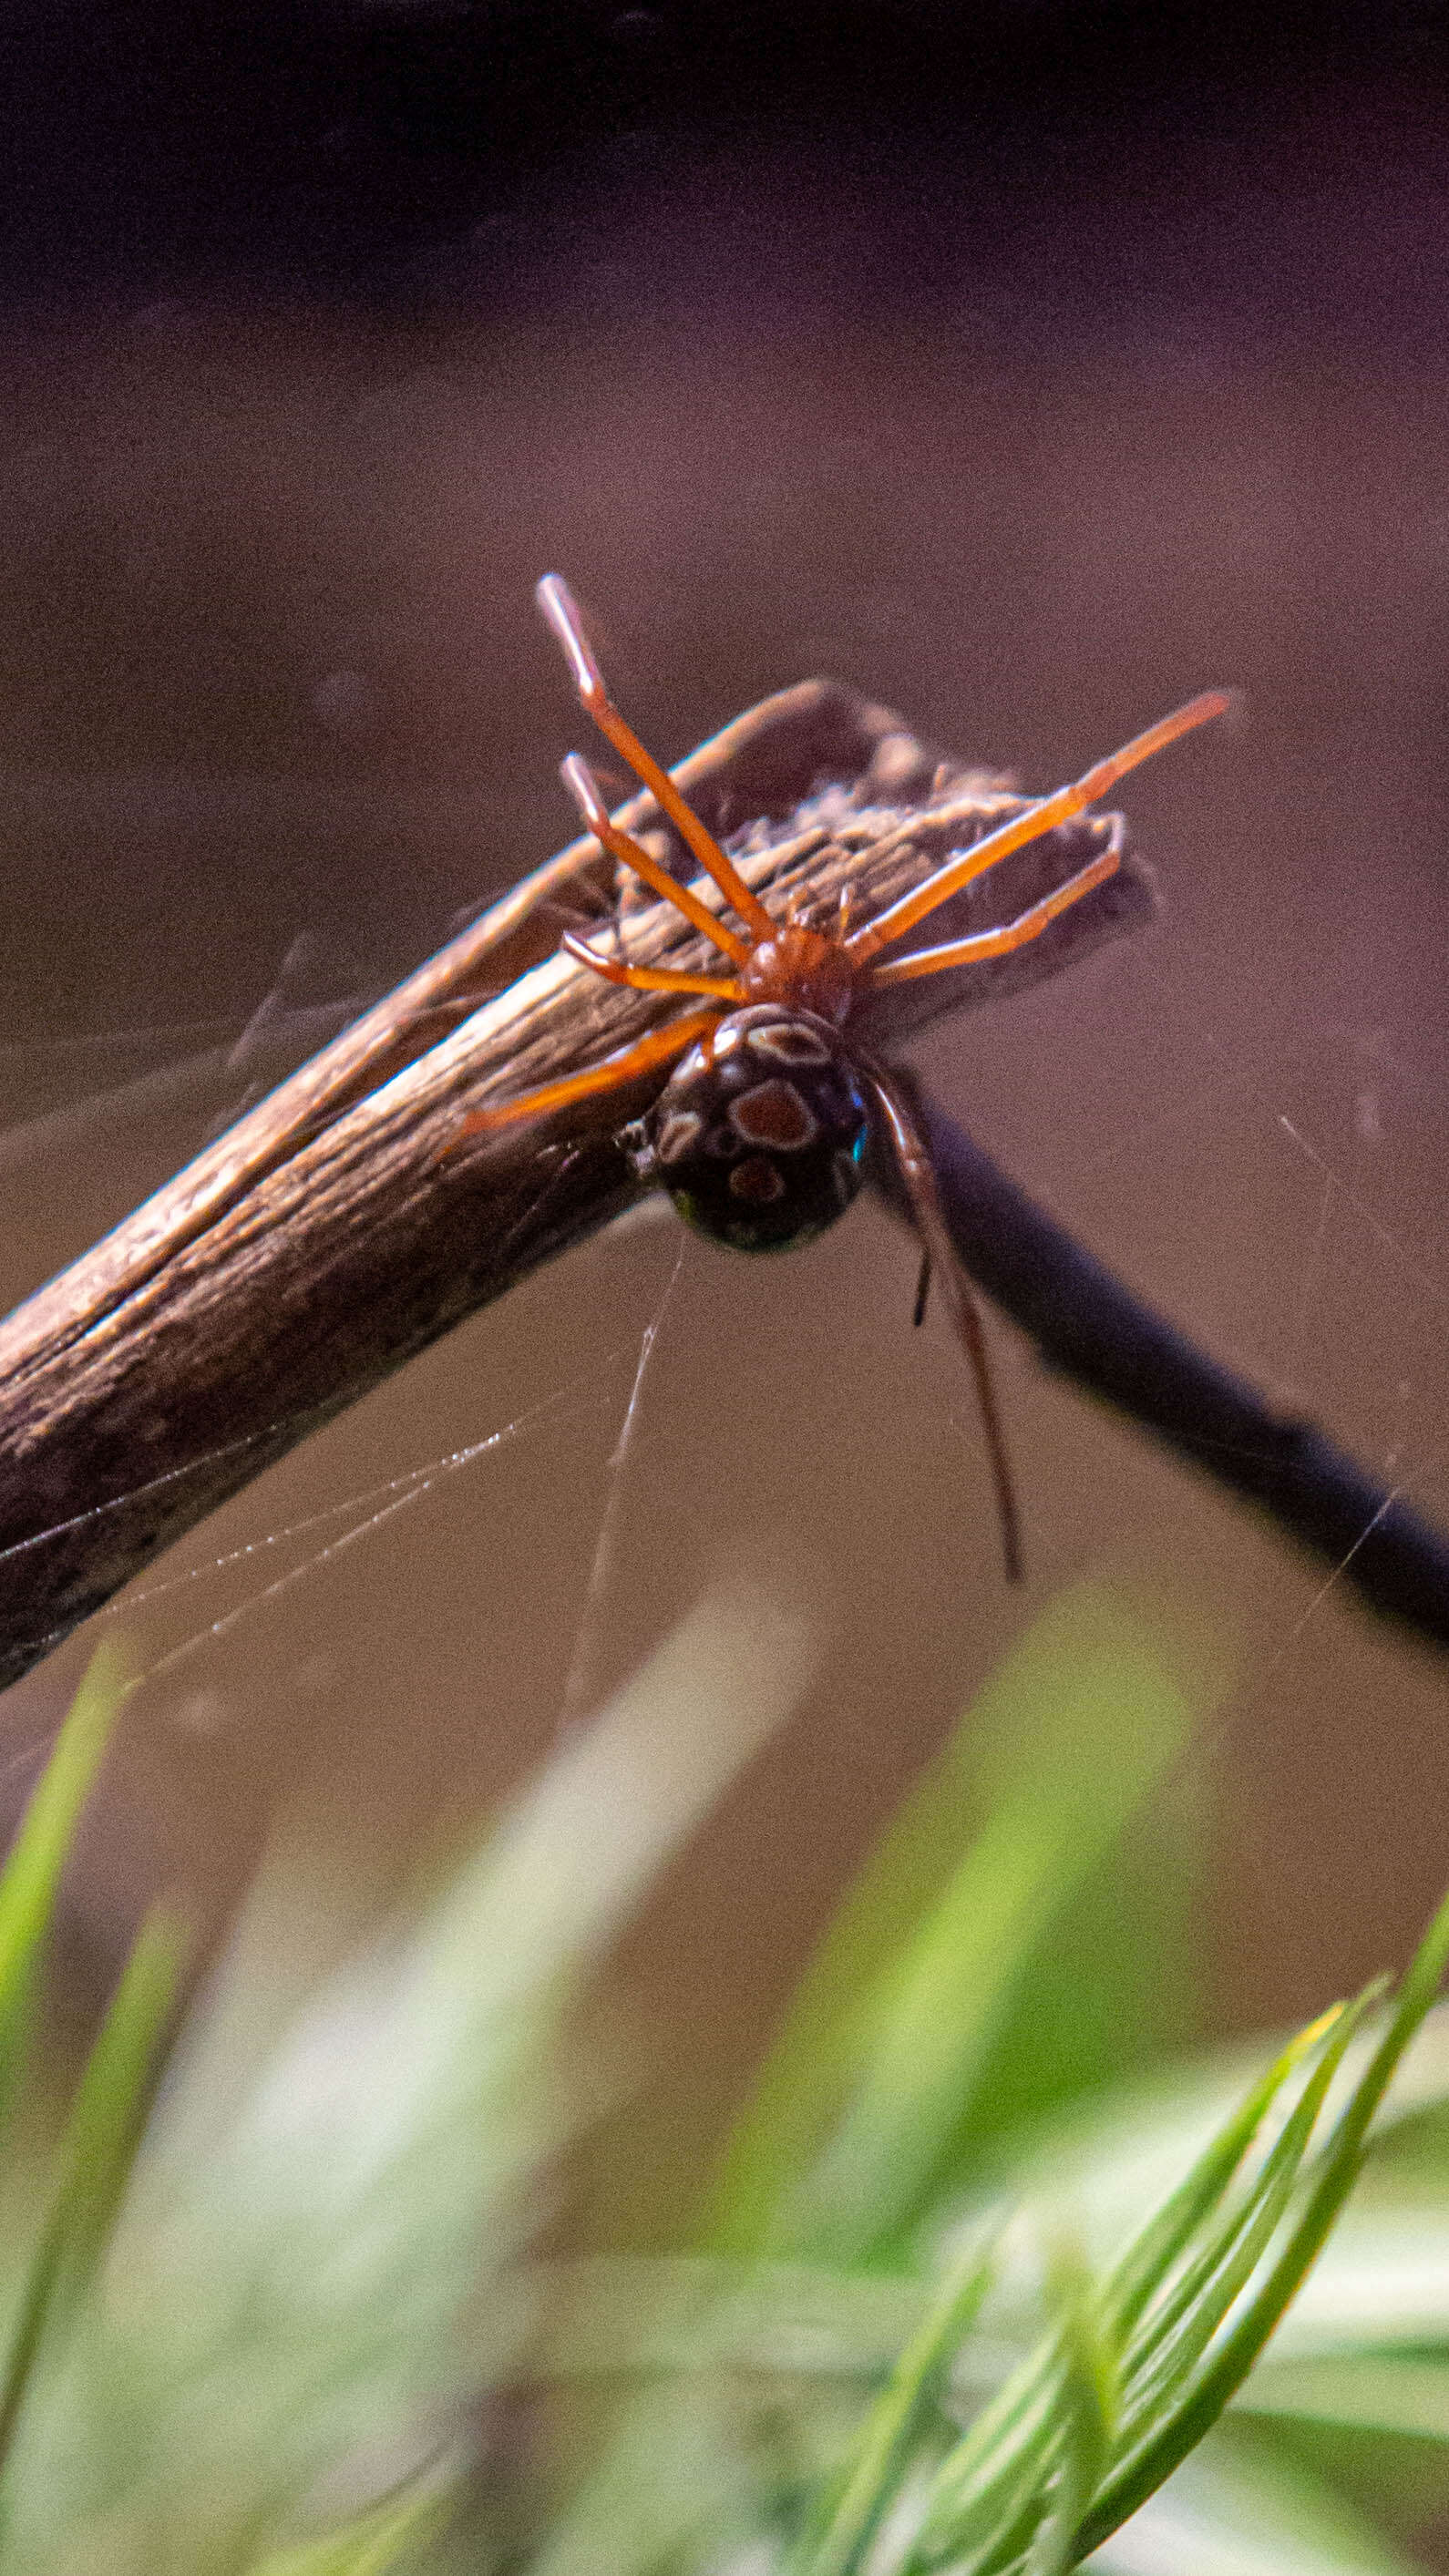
341,1226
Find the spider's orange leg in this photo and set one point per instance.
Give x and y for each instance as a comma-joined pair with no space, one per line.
583,786
1010,934
653,979
913,1158
660,1047
1039,818
559,607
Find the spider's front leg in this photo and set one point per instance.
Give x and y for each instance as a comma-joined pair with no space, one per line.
616,1072
652,979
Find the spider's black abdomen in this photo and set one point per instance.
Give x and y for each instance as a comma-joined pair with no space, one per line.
760,1134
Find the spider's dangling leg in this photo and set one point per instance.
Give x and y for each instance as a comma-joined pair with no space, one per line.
914,1163
923,1290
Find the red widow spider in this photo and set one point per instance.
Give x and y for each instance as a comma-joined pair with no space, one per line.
762,1131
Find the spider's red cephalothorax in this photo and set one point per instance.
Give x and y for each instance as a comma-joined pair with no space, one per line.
761,1133
807,970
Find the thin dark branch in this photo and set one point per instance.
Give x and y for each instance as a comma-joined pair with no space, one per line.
1089,1326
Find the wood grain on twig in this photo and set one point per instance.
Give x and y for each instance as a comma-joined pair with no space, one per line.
340,1228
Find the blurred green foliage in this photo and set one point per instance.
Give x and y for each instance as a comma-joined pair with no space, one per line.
980,2283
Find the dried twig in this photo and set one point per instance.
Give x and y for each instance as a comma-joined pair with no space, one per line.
339,1228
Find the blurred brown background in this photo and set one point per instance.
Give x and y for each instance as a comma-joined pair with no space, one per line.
1030,377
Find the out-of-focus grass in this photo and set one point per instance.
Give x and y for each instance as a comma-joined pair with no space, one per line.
973,2288
922,2015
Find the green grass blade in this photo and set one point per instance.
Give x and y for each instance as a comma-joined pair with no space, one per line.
1144,2262
1015,2489
1014,2426
1175,2331
32,1872
981,2514
1004,2510
1090,2397
964,2491
1208,2392
320,2265
883,2447
96,2152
